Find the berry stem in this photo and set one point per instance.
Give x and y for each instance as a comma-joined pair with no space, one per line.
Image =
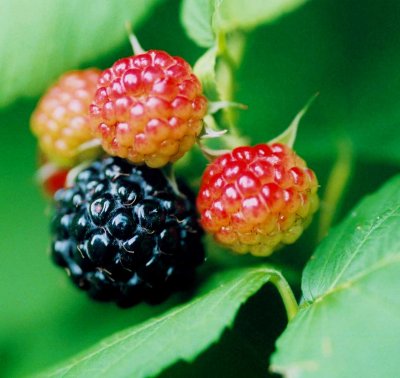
230,52
286,293
169,172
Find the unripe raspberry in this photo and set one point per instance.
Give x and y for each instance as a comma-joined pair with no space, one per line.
255,199
61,119
148,108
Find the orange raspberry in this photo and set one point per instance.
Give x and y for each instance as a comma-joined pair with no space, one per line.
61,119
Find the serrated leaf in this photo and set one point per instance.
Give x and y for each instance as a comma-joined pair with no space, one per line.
349,324
180,334
39,40
196,17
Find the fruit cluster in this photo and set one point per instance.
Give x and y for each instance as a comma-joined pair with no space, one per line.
122,228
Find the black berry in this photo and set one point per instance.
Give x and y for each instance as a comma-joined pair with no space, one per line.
124,235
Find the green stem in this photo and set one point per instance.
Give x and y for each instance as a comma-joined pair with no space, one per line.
230,53
286,293
169,173
335,188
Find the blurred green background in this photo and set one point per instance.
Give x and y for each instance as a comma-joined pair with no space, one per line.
348,51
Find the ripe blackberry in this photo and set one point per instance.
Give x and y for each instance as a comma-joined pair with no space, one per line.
148,108
255,199
124,235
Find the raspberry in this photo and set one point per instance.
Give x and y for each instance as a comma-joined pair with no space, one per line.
148,108
50,176
124,235
255,199
61,119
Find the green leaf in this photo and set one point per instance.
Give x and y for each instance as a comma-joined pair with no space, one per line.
180,334
42,39
252,338
197,18
205,71
236,14
203,20
288,137
349,324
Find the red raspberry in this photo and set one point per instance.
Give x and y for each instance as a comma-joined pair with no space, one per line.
148,108
55,181
255,199
50,177
61,119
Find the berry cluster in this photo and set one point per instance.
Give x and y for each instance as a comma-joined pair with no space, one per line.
124,231
121,229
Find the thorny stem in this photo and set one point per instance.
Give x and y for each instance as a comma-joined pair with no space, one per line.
286,293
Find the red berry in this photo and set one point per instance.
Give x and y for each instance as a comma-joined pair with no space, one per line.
55,181
148,108
51,177
255,199
61,119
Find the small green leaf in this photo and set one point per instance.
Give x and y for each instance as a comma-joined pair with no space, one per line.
349,324
204,68
180,334
288,137
42,39
235,14
197,19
